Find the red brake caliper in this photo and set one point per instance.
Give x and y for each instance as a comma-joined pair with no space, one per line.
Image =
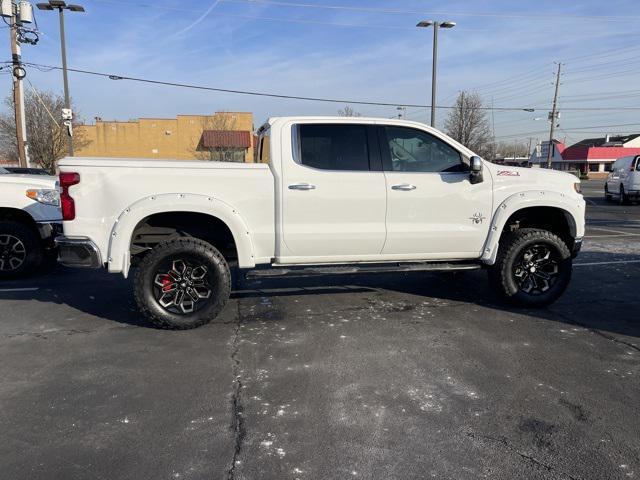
166,283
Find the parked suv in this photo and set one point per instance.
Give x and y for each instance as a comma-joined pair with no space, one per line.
624,180
331,195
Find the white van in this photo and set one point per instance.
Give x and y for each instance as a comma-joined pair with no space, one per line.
624,179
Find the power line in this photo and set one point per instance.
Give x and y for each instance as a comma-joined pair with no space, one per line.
304,98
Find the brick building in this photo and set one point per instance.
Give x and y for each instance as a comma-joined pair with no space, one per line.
222,136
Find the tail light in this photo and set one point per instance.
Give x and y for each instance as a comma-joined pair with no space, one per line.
67,179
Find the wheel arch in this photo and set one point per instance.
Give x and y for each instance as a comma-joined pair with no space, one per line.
546,210
204,213
18,215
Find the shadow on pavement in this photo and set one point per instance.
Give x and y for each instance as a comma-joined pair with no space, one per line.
601,297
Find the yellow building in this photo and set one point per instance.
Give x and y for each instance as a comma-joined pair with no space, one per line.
223,136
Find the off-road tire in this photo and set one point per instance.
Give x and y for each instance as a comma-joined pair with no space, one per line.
502,276
217,268
34,253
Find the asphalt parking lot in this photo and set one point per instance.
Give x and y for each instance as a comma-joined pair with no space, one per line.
391,377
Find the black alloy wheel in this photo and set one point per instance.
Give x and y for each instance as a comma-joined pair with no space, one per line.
183,286
536,270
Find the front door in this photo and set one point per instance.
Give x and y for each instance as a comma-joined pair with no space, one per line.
333,201
433,210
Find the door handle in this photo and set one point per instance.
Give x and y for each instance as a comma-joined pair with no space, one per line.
405,187
302,186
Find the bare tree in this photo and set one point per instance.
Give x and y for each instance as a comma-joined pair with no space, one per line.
46,136
509,149
348,111
220,121
468,124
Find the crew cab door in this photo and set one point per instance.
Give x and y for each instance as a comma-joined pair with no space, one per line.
333,193
433,210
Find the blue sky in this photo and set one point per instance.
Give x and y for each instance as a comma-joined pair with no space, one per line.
503,49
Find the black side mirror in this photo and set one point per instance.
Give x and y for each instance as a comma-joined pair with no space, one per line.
475,165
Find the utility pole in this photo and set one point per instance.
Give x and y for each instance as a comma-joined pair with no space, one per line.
19,14
553,117
18,94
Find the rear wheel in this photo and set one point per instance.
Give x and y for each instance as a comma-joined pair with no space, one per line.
533,268
21,252
182,284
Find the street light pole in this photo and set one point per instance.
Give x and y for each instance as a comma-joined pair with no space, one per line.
434,67
61,6
65,76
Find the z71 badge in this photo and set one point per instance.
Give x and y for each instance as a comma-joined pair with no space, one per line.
508,173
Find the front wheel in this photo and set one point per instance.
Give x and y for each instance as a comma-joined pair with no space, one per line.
182,284
623,196
533,268
21,252
607,195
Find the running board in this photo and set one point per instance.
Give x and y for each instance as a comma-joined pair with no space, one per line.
357,269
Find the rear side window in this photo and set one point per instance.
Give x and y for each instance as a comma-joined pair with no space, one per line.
333,146
263,153
411,150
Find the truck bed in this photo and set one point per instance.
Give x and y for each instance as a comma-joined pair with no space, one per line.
109,186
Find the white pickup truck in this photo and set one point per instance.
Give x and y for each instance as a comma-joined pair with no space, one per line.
330,195
29,219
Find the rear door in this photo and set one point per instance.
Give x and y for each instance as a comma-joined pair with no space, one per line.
333,193
433,210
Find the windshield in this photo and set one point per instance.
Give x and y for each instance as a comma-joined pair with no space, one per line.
3,170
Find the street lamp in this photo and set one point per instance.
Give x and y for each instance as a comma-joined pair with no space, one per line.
61,6
436,27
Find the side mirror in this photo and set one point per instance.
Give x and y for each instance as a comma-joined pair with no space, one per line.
475,164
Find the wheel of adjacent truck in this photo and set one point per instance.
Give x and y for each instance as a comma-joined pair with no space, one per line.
183,283
533,268
21,252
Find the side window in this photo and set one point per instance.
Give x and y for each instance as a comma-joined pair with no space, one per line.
637,160
411,150
333,146
264,147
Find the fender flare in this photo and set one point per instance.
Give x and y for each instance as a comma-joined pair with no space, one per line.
571,208
119,257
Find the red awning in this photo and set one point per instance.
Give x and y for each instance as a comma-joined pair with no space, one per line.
226,138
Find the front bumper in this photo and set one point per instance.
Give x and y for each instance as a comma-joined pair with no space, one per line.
78,252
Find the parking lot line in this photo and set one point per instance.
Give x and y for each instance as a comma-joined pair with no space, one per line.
589,264
611,230
614,235
25,289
